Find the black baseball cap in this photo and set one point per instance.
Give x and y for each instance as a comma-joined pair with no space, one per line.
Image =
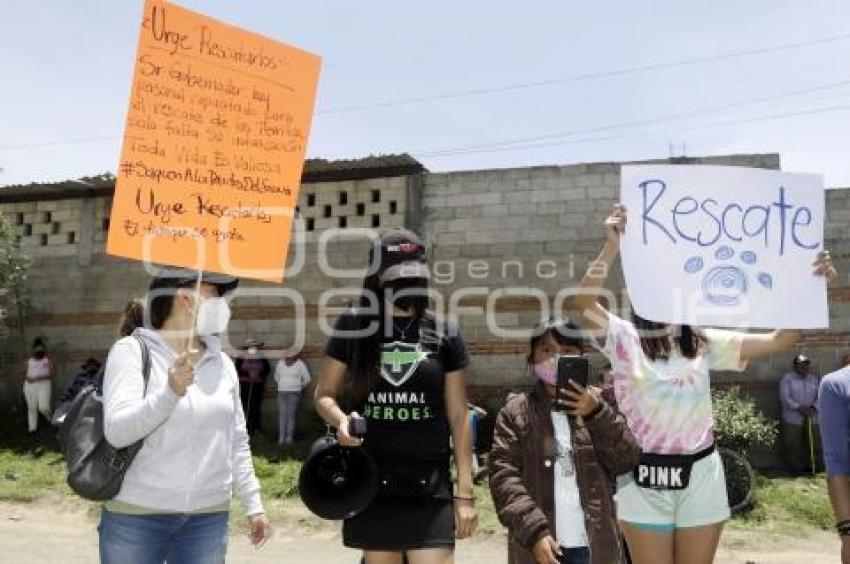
801,359
402,255
172,277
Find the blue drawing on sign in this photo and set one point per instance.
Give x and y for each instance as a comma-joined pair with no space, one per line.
726,284
724,253
694,264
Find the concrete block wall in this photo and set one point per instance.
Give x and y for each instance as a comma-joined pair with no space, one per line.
487,230
548,219
78,292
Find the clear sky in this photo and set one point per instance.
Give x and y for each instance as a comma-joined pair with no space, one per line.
499,84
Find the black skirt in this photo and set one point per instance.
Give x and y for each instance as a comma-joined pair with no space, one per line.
404,517
402,524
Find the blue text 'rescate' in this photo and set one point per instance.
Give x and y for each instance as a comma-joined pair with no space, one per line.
675,219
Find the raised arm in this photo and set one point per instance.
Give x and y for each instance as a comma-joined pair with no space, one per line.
592,315
781,340
755,345
129,413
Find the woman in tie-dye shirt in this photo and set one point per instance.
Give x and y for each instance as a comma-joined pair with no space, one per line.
673,506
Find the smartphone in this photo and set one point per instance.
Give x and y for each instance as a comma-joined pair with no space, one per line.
570,367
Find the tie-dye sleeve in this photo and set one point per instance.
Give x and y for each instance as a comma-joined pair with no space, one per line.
724,350
617,339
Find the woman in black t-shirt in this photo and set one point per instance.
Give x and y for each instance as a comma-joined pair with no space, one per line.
401,368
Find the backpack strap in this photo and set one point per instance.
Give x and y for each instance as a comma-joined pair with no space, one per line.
146,361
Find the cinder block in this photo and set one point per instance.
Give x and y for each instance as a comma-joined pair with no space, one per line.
459,200
47,205
488,236
475,250
546,235
446,252
436,214
468,212
604,192
521,197
499,210
74,204
611,179
523,249
502,250
430,202
573,220
450,238
487,199
62,215
524,208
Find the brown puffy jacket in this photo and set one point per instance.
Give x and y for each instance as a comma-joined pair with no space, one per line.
522,479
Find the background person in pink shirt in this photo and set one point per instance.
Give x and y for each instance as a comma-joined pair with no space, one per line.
38,384
798,392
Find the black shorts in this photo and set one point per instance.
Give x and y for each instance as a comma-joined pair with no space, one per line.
402,524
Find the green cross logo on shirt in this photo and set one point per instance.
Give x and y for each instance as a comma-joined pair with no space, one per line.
399,361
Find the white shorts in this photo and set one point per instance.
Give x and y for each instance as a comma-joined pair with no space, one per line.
703,502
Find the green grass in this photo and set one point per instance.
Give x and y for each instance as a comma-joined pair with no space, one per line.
31,467
785,504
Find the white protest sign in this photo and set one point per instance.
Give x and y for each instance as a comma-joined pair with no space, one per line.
724,246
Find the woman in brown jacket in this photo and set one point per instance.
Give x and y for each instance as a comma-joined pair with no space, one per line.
552,472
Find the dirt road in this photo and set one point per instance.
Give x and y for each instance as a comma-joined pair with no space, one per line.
56,530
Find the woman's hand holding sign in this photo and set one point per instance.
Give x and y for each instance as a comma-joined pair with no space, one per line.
181,375
615,225
824,267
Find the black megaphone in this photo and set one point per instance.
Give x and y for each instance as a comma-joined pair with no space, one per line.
338,482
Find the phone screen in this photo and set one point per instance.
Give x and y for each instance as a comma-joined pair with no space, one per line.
570,367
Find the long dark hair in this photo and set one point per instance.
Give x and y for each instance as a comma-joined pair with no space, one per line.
366,357
564,331
132,318
656,340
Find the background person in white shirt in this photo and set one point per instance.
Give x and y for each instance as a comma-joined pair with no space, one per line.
174,502
292,376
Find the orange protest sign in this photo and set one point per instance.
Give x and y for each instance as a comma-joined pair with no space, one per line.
214,146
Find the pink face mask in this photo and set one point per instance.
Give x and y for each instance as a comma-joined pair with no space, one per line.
547,371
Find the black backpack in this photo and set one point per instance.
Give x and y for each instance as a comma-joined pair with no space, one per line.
96,468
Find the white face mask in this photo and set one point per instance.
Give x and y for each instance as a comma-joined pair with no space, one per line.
213,316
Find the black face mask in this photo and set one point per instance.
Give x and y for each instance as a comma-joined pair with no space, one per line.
39,354
408,294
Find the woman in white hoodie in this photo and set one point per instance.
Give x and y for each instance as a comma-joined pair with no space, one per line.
174,502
